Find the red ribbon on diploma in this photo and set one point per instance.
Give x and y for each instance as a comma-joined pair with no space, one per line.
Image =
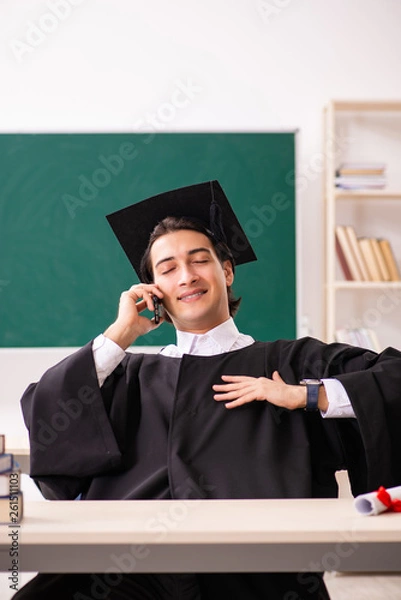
385,498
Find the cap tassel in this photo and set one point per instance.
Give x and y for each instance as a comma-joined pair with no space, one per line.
216,222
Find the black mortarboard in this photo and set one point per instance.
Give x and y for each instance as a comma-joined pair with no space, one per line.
205,202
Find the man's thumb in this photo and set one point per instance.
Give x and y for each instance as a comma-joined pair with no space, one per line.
276,377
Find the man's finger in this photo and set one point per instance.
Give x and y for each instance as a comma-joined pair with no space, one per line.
226,387
226,396
236,378
141,305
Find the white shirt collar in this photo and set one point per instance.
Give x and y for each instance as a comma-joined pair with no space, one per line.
223,338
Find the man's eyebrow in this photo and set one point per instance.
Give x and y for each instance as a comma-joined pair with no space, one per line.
201,249
190,253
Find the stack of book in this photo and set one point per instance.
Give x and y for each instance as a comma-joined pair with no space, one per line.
11,498
364,258
359,336
361,176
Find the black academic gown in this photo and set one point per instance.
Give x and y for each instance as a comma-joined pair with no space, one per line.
155,431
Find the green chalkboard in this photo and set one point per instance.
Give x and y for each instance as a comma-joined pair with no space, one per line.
61,269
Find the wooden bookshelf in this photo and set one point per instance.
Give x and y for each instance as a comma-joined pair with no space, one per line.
366,115
366,285
367,194
366,106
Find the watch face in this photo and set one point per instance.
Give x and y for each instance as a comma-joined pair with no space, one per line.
311,381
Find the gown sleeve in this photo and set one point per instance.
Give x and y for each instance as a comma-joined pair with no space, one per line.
375,394
371,445
72,436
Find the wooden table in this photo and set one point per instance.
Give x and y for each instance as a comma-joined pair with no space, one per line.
202,536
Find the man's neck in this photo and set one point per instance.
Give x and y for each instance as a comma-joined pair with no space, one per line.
200,330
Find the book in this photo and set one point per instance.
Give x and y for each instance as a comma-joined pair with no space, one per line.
347,252
384,272
366,168
353,241
2,444
370,259
376,346
389,258
6,462
346,336
367,338
10,481
11,508
359,171
360,182
358,336
343,261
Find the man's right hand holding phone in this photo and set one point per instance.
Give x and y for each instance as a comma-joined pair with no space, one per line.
129,324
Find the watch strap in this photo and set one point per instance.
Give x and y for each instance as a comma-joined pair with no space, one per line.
312,394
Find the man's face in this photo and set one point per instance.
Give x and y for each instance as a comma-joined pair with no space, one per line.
192,279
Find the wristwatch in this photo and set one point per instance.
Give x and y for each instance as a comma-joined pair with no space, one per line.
312,393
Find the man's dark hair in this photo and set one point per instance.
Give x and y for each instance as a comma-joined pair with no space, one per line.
172,224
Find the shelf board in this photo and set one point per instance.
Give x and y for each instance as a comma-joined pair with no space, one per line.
372,105
384,194
366,285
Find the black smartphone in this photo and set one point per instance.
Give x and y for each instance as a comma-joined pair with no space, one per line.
156,302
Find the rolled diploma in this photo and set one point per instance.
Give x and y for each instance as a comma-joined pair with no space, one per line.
368,504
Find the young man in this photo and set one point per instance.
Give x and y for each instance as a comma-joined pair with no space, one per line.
217,415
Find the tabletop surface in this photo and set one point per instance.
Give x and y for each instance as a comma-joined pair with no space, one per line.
201,521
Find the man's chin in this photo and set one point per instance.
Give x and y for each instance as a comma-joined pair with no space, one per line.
196,323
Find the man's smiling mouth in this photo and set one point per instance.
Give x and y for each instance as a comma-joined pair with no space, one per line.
192,295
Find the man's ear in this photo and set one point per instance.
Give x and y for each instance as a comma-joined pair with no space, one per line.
228,272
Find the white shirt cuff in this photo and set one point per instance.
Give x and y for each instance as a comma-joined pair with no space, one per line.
339,403
107,356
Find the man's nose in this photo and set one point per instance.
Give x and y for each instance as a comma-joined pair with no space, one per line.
187,275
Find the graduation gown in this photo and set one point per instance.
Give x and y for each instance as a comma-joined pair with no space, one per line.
154,430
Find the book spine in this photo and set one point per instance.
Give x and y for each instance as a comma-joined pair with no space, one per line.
10,482
359,336
375,344
384,272
361,172
389,258
363,166
347,252
343,261
341,336
353,337
370,259
2,443
360,180
353,242
6,462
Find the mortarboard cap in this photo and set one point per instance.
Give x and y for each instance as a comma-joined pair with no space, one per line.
205,202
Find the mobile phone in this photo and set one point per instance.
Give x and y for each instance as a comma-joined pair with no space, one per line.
156,302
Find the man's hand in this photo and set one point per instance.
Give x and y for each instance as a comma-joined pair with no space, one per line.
129,324
239,390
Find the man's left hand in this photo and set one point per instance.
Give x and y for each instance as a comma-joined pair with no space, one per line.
238,390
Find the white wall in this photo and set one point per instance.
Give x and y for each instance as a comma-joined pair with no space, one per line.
19,367
252,64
